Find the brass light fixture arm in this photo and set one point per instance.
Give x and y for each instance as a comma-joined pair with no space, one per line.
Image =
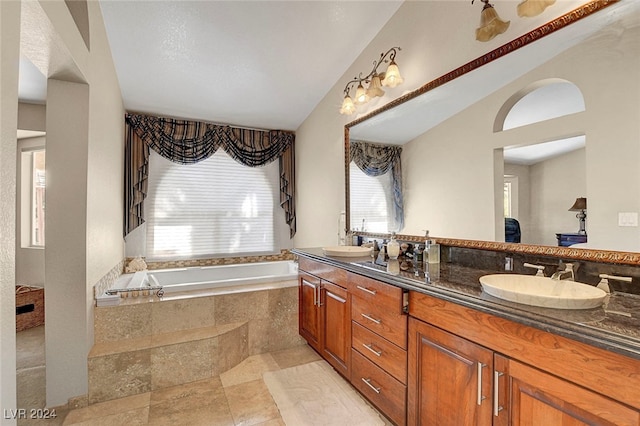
386,58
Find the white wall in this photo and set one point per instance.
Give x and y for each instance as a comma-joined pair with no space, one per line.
545,191
9,58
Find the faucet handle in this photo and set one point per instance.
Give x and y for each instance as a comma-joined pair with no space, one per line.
540,269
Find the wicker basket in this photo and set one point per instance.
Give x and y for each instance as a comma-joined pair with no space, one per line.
29,307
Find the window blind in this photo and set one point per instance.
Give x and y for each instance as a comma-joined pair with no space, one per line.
214,207
369,201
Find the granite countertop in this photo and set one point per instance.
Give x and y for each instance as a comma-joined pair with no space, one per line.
615,326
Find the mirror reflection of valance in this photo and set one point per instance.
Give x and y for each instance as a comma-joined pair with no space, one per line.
187,142
376,160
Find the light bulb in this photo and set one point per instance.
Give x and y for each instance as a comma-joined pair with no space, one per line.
361,95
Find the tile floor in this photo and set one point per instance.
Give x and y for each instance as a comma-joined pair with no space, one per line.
236,397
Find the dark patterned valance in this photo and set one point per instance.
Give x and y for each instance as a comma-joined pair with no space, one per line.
187,142
376,160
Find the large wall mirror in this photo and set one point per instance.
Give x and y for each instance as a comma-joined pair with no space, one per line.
524,135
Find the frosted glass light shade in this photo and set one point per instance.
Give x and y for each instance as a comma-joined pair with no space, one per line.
490,24
361,95
375,87
531,8
392,76
348,107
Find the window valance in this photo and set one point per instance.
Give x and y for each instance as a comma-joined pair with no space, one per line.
375,160
186,142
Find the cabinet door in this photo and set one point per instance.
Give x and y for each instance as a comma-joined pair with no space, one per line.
538,398
309,313
335,303
449,378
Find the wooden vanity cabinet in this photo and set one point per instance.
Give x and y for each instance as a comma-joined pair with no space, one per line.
324,318
472,368
379,345
449,378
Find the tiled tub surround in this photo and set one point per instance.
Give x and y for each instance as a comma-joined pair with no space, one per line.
213,279
147,344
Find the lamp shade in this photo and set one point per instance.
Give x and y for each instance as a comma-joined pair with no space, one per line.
375,87
531,8
580,204
361,95
490,24
392,76
348,107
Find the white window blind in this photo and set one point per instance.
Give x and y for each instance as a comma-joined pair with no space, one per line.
214,207
370,201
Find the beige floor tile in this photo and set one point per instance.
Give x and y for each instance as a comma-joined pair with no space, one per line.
251,403
295,356
31,388
198,403
108,408
249,370
274,422
207,415
30,348
138,416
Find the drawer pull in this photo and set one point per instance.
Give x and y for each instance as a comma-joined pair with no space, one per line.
368,383
370,347
496,393
480,396
366,290
377,321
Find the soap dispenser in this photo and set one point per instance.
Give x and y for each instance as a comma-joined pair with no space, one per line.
393,247
431,251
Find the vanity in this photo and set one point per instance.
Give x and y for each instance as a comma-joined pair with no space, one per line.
445,352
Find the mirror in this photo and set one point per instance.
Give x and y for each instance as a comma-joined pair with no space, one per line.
455,136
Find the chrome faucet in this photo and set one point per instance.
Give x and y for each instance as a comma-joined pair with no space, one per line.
540,269
567,274
604,281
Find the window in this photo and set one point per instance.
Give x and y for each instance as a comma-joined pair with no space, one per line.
511,196
32,197
214,207
370,201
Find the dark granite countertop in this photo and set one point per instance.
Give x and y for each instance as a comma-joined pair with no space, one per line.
615,326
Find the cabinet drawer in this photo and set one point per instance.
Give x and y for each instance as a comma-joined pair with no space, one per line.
324,271
381,352
392,325
376,292
385,392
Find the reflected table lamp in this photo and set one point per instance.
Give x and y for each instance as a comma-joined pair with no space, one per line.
580,206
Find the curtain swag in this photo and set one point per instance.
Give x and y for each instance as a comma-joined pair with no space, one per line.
376,160
188,142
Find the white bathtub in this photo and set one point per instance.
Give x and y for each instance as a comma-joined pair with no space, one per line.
207,279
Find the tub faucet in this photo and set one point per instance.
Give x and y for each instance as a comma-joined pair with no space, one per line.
567,274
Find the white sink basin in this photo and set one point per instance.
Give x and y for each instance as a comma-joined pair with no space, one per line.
347,251
542,291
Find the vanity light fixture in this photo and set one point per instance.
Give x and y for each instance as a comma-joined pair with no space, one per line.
531,8
580,206
490,23
375,80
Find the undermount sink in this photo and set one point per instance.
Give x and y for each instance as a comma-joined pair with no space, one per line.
347,251
542,291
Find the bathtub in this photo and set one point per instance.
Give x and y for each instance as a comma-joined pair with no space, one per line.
206,280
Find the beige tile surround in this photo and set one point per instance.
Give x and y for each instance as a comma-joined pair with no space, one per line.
144,347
